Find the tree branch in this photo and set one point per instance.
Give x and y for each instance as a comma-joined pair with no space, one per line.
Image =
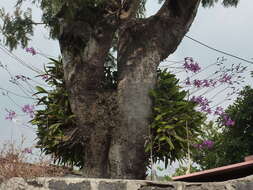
129,9
175,18
184,10
38,23
162,32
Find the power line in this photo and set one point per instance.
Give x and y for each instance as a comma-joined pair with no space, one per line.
12,55
220,51
16,94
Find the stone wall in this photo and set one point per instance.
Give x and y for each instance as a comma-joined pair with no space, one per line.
106,184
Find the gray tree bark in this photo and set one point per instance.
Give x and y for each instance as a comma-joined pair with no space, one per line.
114,124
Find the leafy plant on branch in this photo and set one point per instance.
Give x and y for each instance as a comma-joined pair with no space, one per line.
55,121
175,123
55,118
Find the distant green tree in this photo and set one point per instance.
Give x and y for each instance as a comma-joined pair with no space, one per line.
231,143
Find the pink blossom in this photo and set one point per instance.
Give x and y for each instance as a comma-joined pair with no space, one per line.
28,109
203,83
203,103
189,59
188,82
208,110
226,79
212,82
206,83
11,115
205,144
45,77
31,50
27,150
208,143
191,65
22,77
230,122
227,121
197,83
200,100
219,111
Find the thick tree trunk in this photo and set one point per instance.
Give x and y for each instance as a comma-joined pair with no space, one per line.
137,76
84,49
114,125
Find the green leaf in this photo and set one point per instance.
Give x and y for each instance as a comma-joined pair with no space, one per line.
169,127
148,147
40,90
179,138
159,117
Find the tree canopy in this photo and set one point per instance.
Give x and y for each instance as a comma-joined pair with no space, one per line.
18,28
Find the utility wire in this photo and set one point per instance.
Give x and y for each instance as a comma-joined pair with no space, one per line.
214,49
16,94
12,55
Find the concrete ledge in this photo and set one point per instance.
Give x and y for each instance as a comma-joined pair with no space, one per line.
108,184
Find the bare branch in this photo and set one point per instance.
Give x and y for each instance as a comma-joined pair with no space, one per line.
175,18
162,32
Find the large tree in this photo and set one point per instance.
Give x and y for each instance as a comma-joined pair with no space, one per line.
113,135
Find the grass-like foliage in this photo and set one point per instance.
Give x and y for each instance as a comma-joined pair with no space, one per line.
175,124
55,119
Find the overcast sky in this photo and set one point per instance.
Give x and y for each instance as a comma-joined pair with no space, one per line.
227,29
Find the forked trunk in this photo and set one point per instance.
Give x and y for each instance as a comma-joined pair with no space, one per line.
114,124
